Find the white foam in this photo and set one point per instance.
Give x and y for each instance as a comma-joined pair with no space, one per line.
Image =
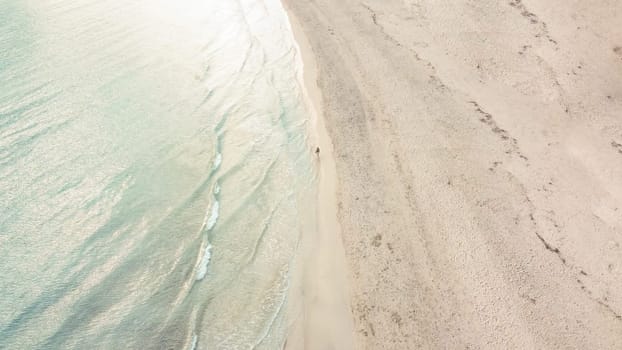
217,188
211,221
207,256
209,224
217,161
193,344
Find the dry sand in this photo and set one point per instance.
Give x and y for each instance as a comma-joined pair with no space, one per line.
478,151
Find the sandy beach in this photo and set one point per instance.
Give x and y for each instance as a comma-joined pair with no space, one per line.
477,154
321,313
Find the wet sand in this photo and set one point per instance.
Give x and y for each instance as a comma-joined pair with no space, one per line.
478,154
323,320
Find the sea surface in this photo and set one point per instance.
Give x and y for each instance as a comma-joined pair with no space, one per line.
155,173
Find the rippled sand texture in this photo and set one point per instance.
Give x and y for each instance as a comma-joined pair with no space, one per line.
479,165
155,176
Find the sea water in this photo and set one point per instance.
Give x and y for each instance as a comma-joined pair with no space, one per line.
155,173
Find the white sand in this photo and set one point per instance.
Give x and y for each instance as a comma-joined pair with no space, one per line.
478,151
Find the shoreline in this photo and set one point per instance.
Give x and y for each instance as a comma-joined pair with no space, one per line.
326,320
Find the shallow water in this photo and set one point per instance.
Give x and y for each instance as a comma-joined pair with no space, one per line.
155,175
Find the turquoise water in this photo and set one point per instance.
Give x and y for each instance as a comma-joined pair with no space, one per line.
155,175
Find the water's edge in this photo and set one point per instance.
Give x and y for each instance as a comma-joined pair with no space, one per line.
326,319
